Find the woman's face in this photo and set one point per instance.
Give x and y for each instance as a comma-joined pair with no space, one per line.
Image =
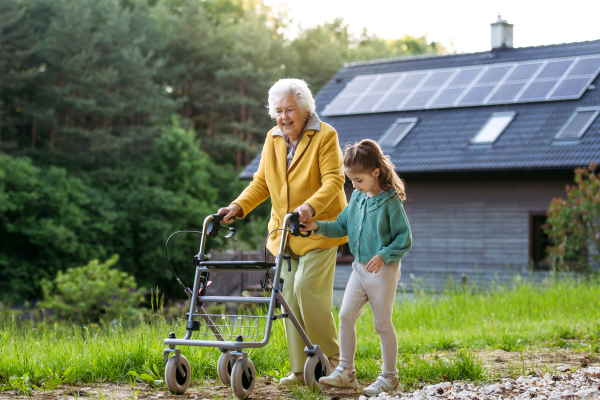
290,118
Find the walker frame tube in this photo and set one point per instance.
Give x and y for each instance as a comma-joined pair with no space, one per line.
275,295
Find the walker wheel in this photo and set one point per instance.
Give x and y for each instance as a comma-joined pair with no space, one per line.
313,370
241,384
176,382
224,368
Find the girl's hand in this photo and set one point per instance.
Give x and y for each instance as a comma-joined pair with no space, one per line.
310,226
375,264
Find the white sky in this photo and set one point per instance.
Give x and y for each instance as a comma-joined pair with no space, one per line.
460,25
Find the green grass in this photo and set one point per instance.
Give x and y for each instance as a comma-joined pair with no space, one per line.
507,318
526,316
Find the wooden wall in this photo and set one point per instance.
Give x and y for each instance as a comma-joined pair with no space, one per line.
473,224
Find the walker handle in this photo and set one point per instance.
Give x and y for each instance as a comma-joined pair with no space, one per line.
295,226
214,226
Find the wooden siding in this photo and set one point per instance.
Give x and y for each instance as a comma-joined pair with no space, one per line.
475,224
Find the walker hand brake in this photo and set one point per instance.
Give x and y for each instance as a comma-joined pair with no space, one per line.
214,226
295,226
288,258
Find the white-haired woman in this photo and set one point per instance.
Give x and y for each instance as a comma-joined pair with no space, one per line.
301,170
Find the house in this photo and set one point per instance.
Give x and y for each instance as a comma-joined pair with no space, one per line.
484,142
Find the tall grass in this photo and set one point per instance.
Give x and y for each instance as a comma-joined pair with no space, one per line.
509,318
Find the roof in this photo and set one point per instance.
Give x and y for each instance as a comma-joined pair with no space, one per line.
440,140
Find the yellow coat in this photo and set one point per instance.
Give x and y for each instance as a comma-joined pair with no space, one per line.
315,177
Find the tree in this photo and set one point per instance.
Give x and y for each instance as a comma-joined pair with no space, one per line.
16,43
96,101
574,224
171,191
221,59
48,221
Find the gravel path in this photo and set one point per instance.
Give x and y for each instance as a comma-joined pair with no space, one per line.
583,384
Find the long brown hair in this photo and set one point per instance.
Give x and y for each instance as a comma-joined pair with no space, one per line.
365,156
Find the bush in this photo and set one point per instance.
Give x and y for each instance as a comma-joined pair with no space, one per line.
574,224
93,293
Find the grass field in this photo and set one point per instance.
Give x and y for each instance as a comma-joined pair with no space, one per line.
523,317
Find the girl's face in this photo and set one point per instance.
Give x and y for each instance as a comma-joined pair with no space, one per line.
365,182
290,118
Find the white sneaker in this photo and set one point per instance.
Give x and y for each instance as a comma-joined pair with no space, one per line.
340,378
295,378
382,384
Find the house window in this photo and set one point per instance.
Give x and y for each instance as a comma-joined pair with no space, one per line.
538,241
493,128
578,123
396,132
343,255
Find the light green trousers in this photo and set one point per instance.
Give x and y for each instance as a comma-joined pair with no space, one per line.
308,289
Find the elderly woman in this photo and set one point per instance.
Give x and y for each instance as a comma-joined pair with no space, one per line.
301,169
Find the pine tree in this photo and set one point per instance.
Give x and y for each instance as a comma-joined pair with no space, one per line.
16,43
98,101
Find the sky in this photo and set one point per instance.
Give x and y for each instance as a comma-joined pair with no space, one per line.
460,25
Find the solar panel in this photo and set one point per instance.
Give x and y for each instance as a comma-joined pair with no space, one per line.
504,83
410,81
506,93
339,105
569,88
447,97
585,66
385,83
524,72
392,101
537,91
465,76
437,79
494,74
476,95
419,99
365,104
359,84
555,69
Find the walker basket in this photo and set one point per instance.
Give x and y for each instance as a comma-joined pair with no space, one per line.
232,328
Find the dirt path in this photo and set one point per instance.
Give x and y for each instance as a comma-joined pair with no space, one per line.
503,364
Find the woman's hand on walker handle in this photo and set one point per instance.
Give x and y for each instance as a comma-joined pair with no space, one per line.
230,212
310,226
306,212
375,264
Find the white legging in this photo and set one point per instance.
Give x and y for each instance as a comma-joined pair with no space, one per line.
380,290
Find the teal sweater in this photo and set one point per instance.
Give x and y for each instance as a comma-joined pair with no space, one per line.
374,225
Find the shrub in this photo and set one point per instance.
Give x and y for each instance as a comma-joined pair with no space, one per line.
93,293
574,224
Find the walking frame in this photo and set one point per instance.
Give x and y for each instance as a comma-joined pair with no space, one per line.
231,332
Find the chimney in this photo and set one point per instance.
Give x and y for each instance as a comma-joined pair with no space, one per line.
502,34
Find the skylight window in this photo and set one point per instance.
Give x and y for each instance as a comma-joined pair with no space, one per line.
578,123
493,128
396,132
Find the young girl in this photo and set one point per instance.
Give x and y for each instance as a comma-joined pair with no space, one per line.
379,236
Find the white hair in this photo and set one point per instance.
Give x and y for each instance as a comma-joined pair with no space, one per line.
296,87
